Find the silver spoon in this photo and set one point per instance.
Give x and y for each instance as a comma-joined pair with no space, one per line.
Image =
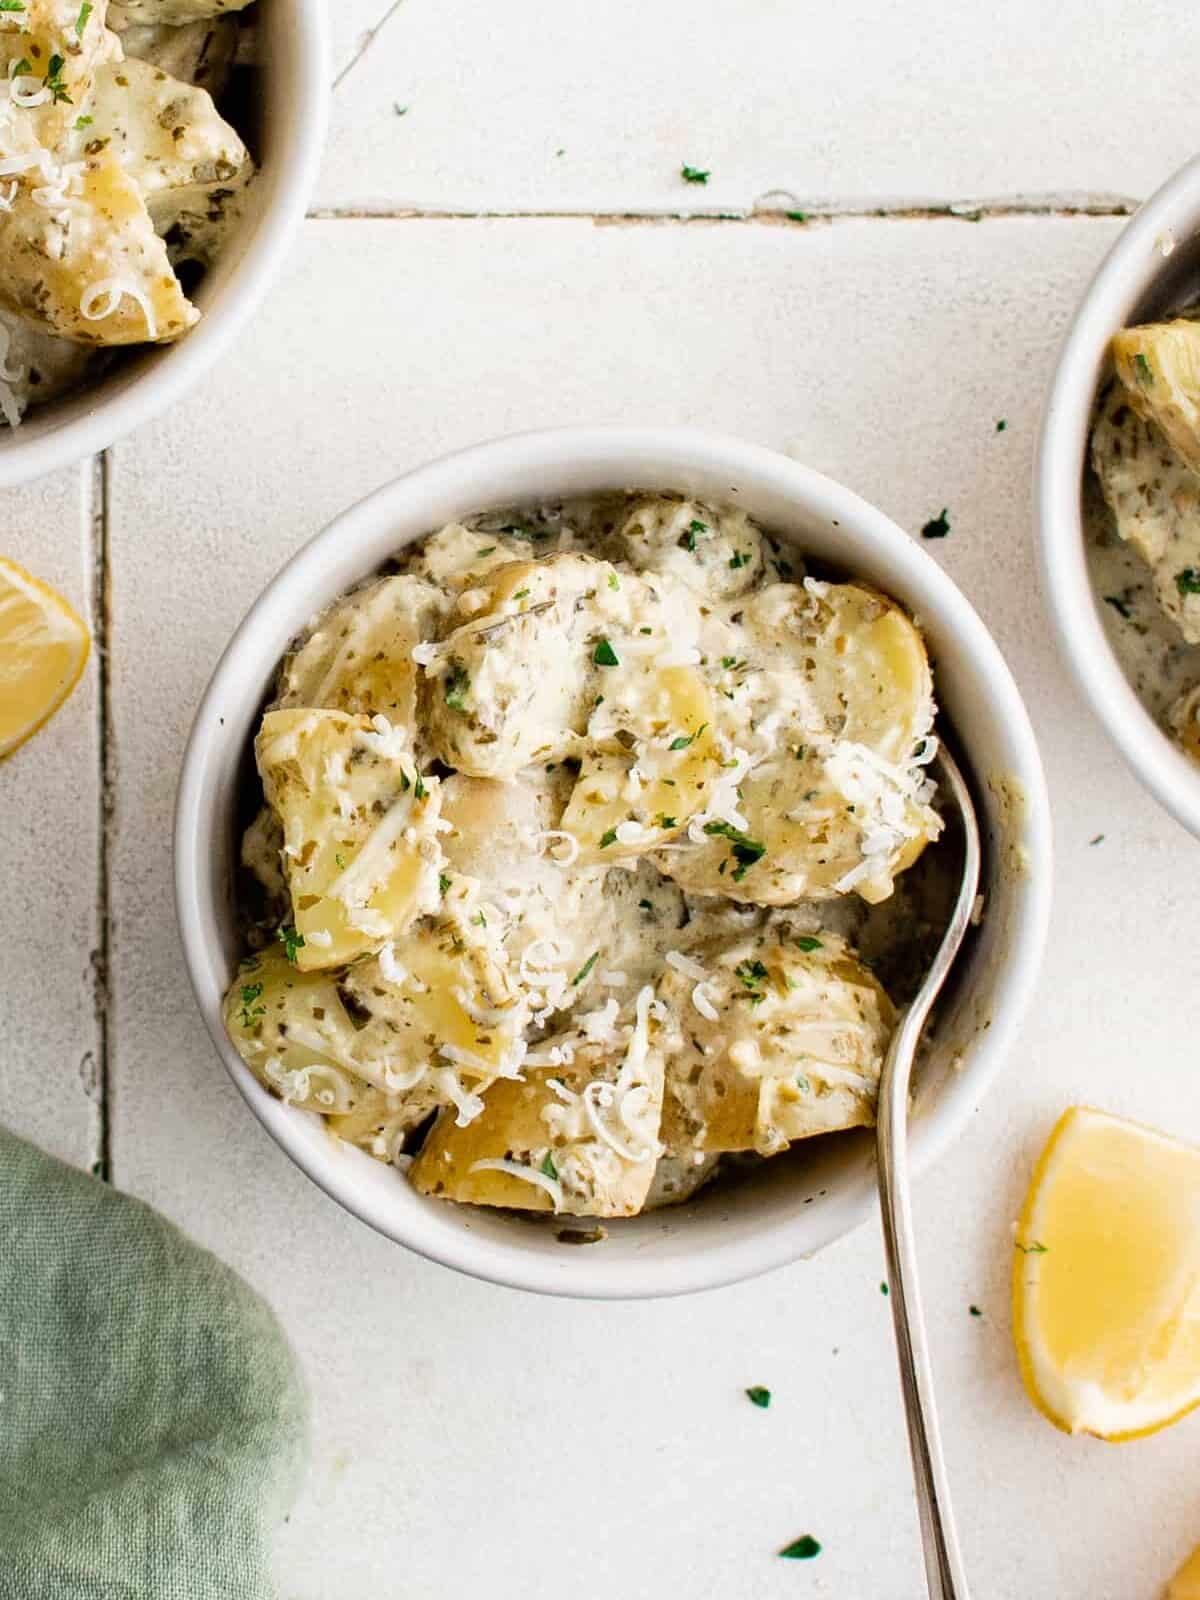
943,1563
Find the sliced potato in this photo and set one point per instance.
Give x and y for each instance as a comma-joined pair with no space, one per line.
360,847
293,1032
718,554
1159,366
457,556
49,51
1155,501
1185,721
779,1042
358,658
580,1139
514,684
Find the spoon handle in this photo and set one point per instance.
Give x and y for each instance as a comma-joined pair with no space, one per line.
943,1563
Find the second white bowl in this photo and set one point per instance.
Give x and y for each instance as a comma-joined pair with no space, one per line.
790,1207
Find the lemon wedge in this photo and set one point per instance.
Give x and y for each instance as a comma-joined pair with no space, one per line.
1185,1585
1106,1280
43,648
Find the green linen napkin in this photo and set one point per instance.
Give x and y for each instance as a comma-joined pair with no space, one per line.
152,1419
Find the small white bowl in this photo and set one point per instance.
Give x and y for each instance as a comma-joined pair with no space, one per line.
1153,267
292,116
790,1207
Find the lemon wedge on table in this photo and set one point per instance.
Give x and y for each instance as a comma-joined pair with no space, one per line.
1106,1278
43,648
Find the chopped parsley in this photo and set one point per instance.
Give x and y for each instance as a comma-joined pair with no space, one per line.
664,821
291,942
1145,372
1096,839
739,558
12,5
802,1549
585,969
1188,581
54,81
1037,1248
613,581
937,527
457,683
1002,424
685,739
250,993
83,122
728,661
480,920
532,534
21,70
443,883
1120,606
758,1396
488,550
548,1168
975,1311
401,111
745,852
796,216
610,837
604,655
645,630
803,1084
645,905
694,174
419,790
520,594
750,975
687,539
806,942
85,12
884,1290
339,859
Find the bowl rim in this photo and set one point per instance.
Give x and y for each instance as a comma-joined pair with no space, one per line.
1127,271
181,365
1016,966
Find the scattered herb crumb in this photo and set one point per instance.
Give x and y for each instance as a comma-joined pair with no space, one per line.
739,558
458,682
1188,581
884,1290
746,851
604,655
585,969
682,741
401,111
291,942
937,527
610,837
1037,1248
250,1011
796,216
85,12
975,1311
1002,424
1145,372
443,883
758,1396
802,1549
694,174
1121,607
1097,838
807,942
548,1167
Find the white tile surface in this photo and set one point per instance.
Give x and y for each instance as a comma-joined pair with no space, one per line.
472,1439
49,828
576,107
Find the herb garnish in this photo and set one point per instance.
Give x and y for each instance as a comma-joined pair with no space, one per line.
291,942
1120,606
488,550
1145,372
807,942
750,974
54,81
419,790
644,905
694,174
739,558
884,1290
1096,839
746,851
83,122
687,540
758,1396
607,838
443,883
1037,1248
685,739
85,12
796,216
12,5
458,682
604,655
664,821
613,581
548,1168
585,969
1002,424
520,594
1188,581
802,1549
975,1311
937,527
250,993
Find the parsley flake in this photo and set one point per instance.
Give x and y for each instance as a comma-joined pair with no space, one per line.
807,942
758,1396
1002,424
884,1290
291,942
796,216
750,975
12,5
604,655
663,821
694,174
83,122
745,852
937,527
685,739
250,993
585,969
443,883
419,790
802,1549
739,558
85,12
548,1168
54,81
1037,1248
488,550
1188,581
456,686
975,1311
1121,607
520,594
645,905
1145,372
610,837
613,581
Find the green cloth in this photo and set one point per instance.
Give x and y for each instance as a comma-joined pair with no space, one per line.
152,1419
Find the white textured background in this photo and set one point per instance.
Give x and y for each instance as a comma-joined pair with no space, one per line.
462,277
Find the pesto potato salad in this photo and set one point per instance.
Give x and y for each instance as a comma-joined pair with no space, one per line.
1144,523
577,835
118,179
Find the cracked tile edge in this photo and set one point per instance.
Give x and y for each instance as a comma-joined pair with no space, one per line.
366,40
100,620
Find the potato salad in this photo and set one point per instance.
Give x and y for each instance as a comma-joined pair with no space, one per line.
118,177
569,826
1144,524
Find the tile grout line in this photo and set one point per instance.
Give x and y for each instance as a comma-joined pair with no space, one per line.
804,215
101,620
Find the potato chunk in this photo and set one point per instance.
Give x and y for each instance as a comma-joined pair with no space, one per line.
579,1138
718,554
360,847
1155,501
1159,367
779,1042
358,656
827,794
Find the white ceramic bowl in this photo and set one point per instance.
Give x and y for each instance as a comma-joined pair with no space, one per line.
1153,268
292,115
790,1208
